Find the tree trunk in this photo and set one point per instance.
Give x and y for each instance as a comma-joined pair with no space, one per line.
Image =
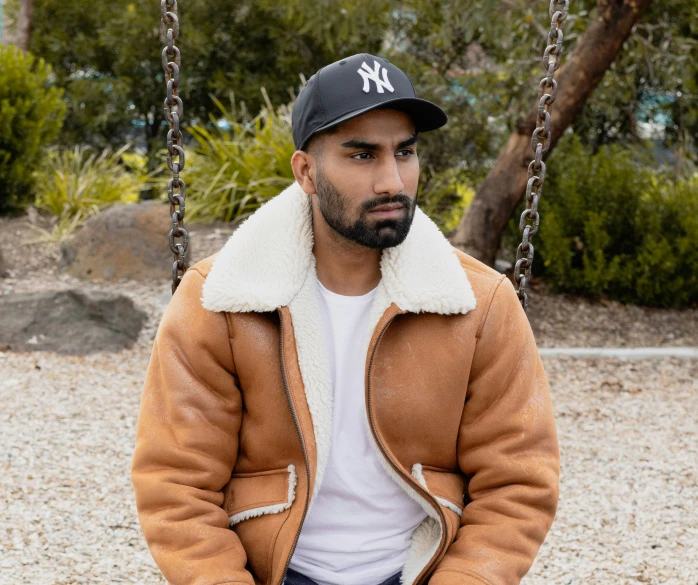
17,31
24,23
479,231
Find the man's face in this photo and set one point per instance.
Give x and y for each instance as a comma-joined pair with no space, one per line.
370,161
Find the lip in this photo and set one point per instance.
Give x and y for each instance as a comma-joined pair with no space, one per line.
392,210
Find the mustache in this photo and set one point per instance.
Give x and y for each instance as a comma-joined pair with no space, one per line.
401,198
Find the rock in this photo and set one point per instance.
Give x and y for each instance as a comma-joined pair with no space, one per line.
69,322
126,241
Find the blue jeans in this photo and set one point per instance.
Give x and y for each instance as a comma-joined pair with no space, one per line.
296,578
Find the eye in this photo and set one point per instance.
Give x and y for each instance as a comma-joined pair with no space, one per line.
361,153
409,151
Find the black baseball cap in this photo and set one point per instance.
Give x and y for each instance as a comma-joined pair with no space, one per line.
352,86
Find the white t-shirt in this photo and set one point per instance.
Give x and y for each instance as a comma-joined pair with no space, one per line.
358,530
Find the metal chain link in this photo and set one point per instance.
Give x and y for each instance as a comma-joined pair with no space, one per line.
540,142
174,110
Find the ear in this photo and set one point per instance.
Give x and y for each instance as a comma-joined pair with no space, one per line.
303,165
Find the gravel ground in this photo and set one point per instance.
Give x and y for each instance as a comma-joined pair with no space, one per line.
629,481
628,509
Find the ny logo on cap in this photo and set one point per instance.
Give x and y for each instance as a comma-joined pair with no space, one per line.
372,75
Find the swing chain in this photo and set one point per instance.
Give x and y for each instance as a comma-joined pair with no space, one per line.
174,110
540,142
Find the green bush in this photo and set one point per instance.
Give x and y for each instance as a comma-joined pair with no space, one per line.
614,226
74,184
236,165
31,114
445,196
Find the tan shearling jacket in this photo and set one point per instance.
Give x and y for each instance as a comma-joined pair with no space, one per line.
235,417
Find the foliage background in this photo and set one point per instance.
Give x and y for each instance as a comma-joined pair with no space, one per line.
31,112
479,60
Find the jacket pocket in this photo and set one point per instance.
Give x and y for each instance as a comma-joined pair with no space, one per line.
248,495
449,488
258,504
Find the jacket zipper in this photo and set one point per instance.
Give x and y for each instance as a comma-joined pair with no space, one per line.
409,478
300,436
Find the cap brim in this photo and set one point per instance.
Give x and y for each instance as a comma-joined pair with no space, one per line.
425,114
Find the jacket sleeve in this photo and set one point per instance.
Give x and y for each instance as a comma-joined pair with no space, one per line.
508,448
186,444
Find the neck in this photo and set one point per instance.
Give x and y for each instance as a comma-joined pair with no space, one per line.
343,266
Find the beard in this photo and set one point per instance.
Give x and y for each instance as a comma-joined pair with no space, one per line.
371,233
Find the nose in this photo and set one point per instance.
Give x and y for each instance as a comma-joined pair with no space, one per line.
388,180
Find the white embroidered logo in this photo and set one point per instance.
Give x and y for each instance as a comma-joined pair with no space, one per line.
372,75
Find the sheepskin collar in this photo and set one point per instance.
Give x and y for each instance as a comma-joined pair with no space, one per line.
265,262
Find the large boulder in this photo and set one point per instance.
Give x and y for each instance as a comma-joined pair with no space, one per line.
69,322
126,241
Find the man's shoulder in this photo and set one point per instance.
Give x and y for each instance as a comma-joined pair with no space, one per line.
471,264
487,283
203,266
482,278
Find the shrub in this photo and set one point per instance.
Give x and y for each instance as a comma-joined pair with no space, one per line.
74,184
236,165
31,114
444,197
613,225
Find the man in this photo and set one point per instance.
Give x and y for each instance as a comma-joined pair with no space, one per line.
339,396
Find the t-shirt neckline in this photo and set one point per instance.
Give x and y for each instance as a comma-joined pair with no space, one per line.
347,298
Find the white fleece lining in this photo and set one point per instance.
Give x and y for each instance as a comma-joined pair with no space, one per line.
264,262
418,474
450,505
268,263
315,372
274,508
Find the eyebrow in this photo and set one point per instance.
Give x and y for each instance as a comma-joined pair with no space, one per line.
357,143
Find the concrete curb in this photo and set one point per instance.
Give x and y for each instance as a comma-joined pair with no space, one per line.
623,353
